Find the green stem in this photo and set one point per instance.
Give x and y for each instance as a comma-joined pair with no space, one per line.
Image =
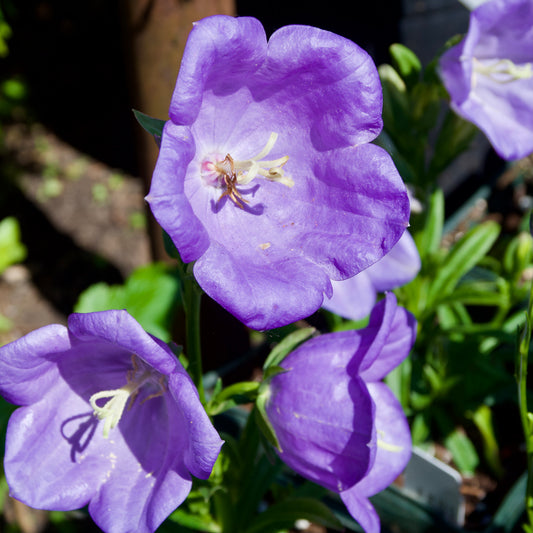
522,362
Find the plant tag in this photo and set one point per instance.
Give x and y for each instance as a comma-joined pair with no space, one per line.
435,484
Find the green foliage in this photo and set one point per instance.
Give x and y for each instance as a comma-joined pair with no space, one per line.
412,107
287,345
263,421
454,369
284,514
154,126
231,396
150,295
11,248
406,63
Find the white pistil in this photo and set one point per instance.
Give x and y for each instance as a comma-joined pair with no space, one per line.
111,412
501,70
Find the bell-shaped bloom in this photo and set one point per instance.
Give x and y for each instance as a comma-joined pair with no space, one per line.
336,423
355,297
266,177
109,419
489,75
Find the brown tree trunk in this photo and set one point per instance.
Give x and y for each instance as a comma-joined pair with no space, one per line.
155,33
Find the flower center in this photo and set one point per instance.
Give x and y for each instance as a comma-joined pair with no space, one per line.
501,70
228,173
111,411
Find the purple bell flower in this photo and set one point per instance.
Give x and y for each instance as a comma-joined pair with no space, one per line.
109,419
336,423
489,75
354,298
266,177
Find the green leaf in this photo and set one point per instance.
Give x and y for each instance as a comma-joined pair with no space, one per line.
482,417
452,315
400,161
457,442
462,258
428,240
11,249
236,394
261,418
396,114
420,429
463,451
406,62
455,136
150,295
289,343
479,293
518,255
426,106
253,485
284,514
195,521
170,248
6,410
5,324
154,126
271,371
511,509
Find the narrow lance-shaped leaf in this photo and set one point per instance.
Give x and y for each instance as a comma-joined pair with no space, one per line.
152,125
428,240
284,514
289,343
463,257
454,138
406,63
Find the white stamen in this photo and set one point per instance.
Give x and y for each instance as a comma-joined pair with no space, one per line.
248,169
269,145
386,445
111,412
500,70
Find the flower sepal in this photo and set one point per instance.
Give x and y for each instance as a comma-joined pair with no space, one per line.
231,396
287,345
261,417
154,126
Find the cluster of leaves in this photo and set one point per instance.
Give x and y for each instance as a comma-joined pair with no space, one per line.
469,298
414,114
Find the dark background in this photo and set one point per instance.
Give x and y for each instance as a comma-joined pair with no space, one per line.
72,56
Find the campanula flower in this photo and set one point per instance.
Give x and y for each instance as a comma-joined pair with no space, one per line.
354,298
489,75
266,178
109,419
336,423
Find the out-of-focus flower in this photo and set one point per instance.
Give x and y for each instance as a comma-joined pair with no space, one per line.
489,75
336,423
109,419
266,177
354,298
